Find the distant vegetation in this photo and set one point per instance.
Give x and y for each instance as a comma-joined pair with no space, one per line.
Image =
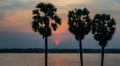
38,50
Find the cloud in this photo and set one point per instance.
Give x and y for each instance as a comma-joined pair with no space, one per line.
17,21
17,13
16,4
20,40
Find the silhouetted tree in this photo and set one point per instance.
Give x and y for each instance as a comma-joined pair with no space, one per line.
44,20
79,25
103,30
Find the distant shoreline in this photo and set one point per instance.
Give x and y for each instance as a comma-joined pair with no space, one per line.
38,50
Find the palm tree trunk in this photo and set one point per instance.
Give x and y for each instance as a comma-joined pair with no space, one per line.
81,56
46,52
102,58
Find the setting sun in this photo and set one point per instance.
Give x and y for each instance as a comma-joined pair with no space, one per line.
57,42
57,39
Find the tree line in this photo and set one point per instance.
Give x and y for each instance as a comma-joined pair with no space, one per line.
52,50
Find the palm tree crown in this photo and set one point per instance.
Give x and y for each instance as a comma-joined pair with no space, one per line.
79,23
103,28
45,19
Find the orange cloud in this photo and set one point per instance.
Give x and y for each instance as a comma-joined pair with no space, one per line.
17,21
62,28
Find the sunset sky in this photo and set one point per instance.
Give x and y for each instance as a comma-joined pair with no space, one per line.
16,19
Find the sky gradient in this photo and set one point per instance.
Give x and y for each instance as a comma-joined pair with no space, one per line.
16,19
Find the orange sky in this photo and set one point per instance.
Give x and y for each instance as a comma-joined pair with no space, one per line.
20,15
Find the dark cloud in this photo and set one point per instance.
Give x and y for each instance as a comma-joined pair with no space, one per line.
34,40
20,40
16,5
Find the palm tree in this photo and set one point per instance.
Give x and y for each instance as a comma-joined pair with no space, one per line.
44,20
79,25
103,30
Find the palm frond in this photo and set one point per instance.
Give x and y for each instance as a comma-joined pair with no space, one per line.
79,22
42,19
103,28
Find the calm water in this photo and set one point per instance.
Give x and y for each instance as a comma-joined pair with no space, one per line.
67,59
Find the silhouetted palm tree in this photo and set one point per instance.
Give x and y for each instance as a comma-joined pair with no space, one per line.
103,30
79,25
44,20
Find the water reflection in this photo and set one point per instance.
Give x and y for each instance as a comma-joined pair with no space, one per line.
64,60
58,59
